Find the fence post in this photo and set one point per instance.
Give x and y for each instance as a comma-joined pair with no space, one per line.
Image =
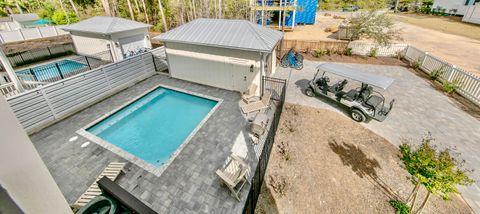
49,52
423,60
33,74
59,71
450,75
88,63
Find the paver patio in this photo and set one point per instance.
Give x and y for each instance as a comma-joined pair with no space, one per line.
188,185
418,108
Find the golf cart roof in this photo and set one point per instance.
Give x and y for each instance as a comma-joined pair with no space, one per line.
344,71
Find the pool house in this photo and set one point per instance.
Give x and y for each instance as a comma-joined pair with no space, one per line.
166,144
122,37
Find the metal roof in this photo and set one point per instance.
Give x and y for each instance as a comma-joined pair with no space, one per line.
344,71
235,34
105,25
26,17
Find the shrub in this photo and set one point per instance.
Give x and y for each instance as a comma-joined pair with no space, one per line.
318,53
284,151
373,52
450,86
435,74
400,207
279,184
415,64
348,51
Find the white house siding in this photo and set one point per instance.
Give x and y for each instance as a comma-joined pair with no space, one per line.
453,4
472,15
130,41
86,44
219,67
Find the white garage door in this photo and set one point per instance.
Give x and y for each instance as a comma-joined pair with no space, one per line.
132,43
218,71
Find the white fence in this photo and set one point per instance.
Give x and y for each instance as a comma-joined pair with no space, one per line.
469,83
360,48
44,105
31,33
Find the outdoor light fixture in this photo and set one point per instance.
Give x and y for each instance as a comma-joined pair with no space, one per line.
251,68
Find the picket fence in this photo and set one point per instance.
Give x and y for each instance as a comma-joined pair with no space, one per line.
42,106
469,84
31,33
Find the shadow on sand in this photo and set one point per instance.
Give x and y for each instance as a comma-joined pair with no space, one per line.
361,165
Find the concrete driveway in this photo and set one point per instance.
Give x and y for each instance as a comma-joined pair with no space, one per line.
418,109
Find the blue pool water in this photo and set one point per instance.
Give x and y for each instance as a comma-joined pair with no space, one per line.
51,71
154,126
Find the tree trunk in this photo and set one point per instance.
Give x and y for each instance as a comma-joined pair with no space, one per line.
130,9
137,7
18,7
420,210
414,192
74,9
220,14
396,6
64,11
206,8
160,7
215,8
145,11
194,12
9,10
180,4
106,7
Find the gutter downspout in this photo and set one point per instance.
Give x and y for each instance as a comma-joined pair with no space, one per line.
262,71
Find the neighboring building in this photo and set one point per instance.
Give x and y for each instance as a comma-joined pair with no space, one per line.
451,5
18,21
288,12
122,37
472,14
228,54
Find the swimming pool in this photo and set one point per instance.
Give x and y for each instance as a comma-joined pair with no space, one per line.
52,71
154,126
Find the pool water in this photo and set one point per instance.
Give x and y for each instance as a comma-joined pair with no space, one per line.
51,71
154,126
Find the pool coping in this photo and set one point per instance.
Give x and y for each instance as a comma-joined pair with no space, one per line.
157,171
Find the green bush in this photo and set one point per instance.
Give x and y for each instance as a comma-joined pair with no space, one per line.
318,53
348,51
435,74
60,18
400,207
373,52
450,86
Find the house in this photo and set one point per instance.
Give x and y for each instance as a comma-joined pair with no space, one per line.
289,13
472,14
18,21
228,54
454,7
122,37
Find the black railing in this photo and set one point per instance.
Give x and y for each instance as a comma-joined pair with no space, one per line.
278,88
40,54
58,70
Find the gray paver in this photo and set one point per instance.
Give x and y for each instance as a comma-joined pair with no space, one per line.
191,175
419,108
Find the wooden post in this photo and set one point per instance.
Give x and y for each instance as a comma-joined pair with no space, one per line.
33,74
59,71
88,63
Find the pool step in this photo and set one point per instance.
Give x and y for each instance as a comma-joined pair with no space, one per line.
112,171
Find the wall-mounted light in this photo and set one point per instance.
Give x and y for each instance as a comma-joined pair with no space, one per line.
251,68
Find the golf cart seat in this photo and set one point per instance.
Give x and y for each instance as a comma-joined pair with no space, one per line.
338,87
350,95
365,93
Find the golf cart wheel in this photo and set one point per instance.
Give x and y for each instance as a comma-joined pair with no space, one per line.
309,92
357,115
299,66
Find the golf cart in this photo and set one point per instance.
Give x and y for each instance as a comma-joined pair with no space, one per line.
363,102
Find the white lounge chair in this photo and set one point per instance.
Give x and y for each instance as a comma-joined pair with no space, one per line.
249,94
258,105
112,171
234,175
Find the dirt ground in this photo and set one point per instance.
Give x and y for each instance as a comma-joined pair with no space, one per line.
446,40
356,59
446,24
330,164
316,31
